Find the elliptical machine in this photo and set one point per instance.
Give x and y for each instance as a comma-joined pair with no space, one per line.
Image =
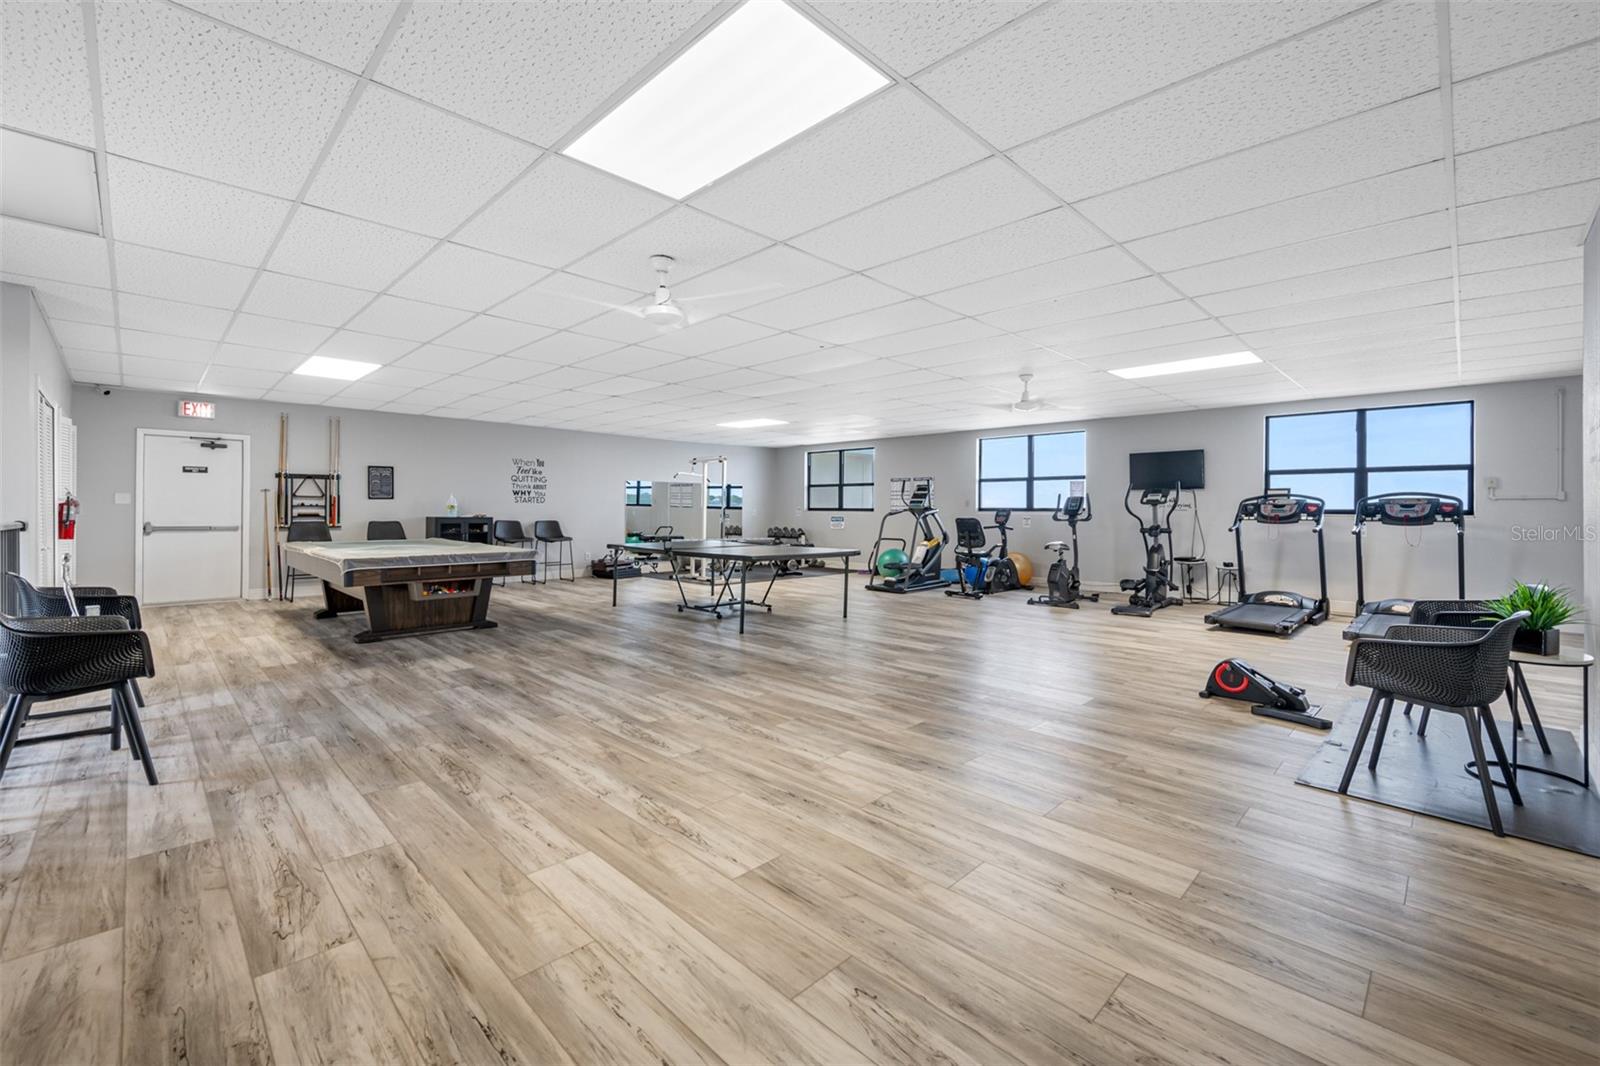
921,561
1063,587
1153,591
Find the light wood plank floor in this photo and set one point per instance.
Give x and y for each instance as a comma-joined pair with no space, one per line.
940,831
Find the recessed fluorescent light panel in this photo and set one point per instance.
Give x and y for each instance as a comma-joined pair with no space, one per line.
49,182
325,366
1188,366
759,77
753,423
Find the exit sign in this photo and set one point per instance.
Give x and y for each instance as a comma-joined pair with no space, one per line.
196,409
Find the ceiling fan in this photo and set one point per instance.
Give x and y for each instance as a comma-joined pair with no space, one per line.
1027,403
659,308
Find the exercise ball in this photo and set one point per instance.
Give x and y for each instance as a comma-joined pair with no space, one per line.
893,562
1024,567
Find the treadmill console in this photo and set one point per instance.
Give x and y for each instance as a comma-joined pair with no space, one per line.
1409,510
1280,509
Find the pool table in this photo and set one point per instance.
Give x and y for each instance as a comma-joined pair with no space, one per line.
408,588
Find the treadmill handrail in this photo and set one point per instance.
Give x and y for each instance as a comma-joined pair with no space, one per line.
1458,519
1316,527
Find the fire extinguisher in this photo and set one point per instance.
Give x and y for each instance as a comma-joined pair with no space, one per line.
67,517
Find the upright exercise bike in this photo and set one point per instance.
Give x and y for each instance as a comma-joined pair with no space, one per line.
1153,591
1064,587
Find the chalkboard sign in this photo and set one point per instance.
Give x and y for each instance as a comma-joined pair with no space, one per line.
380,482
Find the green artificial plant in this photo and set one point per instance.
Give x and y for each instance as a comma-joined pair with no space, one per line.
1548,606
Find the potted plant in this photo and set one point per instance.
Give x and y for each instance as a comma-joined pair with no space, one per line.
1548,607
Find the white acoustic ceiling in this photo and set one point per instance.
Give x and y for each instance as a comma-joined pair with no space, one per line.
1366,198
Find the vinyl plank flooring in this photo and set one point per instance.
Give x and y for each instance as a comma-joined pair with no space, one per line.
332,1008
63,1005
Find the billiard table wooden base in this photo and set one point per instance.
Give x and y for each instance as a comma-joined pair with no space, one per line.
393,612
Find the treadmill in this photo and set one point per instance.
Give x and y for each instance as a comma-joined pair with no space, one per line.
1408,509
1276,611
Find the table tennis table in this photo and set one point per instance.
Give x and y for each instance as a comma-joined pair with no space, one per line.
726,558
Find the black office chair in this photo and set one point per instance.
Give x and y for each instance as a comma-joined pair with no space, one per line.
1439,668
972,549
62,601
45,659
510,531
299,533
546,532
384,530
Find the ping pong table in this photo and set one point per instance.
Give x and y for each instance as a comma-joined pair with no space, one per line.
727,558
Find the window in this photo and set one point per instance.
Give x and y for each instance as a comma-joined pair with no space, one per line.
1342,456
714,498
839,480
1028,472
637,493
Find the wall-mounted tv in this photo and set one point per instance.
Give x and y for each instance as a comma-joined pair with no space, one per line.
1167,470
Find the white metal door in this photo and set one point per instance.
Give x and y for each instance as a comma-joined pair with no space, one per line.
191,518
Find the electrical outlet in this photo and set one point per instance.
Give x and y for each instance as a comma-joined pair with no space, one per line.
1493,484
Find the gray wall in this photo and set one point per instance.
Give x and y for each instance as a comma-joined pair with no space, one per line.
30,362
1515,443
433,458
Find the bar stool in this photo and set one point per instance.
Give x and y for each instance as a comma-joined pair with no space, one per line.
546,532
299,533
510,531
385,530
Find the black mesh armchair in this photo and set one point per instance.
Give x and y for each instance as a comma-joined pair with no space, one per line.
298,533
385,530
545,533
510,531
45,659
52,602
1439,668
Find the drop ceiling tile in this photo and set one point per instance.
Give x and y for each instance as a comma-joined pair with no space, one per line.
1571,205
495,336
621,326
404,164
346,251
164,346
626,360
766,350
571,377
44,71
1561,273
457,276
1511,303
85,335
560,211
1484,37
260,331
365,347
1075,337
241,376
1397,297
182,213
400,407
985,195
507,369
1027,242
563,349
391,316
1377,324
969,355
402,377
563,300
182,92
1088,271
609,385
682,370
152,272
1371,202
890,143
1377,56
1547,94
1388,240
53,253
757,278
1523,250
1542,162
64,302
440,359
458,385
696,241
367,391
844,296
88,364
170,316
896,318
916,340
533,70
1366,277
1376,142
305,388
163,369
702,338
1086,303
1074,59
343,34
1528,325
282,296
908,35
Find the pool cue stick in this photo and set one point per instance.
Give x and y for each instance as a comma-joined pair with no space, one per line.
266,543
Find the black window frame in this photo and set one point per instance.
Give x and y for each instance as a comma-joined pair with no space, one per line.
717,506
1031,477
1361,471
842,484
631,493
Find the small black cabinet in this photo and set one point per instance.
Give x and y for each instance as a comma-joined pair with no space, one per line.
474,529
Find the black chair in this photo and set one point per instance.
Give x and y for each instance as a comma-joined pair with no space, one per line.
510,531
299,533
45,659
58,601
972,550
1443,668
545,533
382,530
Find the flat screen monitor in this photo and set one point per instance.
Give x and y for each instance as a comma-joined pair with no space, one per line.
1167,470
